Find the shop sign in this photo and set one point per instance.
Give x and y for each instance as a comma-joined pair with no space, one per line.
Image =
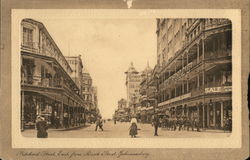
176,99
218,89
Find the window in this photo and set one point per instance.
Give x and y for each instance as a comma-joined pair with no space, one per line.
27,36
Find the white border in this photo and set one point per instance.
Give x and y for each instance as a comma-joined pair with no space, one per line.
234,141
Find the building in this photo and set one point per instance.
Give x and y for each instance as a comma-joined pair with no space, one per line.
89,94
46,86
122,113
195,69
75,63
148,92
122,103
133,80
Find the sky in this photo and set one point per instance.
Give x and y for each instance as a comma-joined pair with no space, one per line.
107,47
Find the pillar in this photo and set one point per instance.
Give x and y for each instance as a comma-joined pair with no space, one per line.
203,49
174,90
214,114
203,115
222,114
22,110
198,80
187,86
182,61
183,91
198,54
198,112
208,115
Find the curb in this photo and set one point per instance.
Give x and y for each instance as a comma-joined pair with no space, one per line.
67,129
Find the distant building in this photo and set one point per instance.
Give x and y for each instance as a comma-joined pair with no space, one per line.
122,113
87,88
75,63
89,94
122,103
133,80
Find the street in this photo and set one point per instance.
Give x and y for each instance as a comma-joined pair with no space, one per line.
121,130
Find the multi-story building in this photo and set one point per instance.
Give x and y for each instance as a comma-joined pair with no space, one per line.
89,94
46,86
122,103
76,65
87,88
122,112
133,80
195,73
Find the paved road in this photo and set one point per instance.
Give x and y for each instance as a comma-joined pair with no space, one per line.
121,130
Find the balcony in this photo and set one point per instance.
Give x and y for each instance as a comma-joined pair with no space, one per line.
30,47
215,23
41,82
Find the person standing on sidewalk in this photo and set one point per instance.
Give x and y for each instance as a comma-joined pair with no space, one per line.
156,123
42,127
99,124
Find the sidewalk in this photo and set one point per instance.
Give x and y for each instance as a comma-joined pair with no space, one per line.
71,128
201,130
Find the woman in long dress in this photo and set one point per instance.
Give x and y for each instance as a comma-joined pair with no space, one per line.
133,128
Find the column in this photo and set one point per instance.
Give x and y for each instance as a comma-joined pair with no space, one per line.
198,112
174,90
198,80
203,49
61,113
187,86
182,62
203,115
208,116
222,114
183,87
22,111
198,54
214,114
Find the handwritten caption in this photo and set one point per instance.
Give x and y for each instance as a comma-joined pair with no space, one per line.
65,154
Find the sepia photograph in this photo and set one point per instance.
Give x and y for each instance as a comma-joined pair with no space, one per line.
130,79
84,79
124,79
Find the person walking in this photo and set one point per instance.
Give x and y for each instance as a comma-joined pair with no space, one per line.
99,124
42,127
156,124
133,128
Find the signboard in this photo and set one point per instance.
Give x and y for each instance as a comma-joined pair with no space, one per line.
176,99
218,89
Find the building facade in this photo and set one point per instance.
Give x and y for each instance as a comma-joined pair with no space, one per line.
122,113
195,69
46,86
89,94
76,65
133,80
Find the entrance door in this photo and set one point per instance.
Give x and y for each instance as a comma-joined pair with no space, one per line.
217,115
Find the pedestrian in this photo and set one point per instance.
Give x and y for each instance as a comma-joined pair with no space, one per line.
114,121
156,123
99,124
42,127
133,128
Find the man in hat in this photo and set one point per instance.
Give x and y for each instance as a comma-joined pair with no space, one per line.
156,123
42,127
